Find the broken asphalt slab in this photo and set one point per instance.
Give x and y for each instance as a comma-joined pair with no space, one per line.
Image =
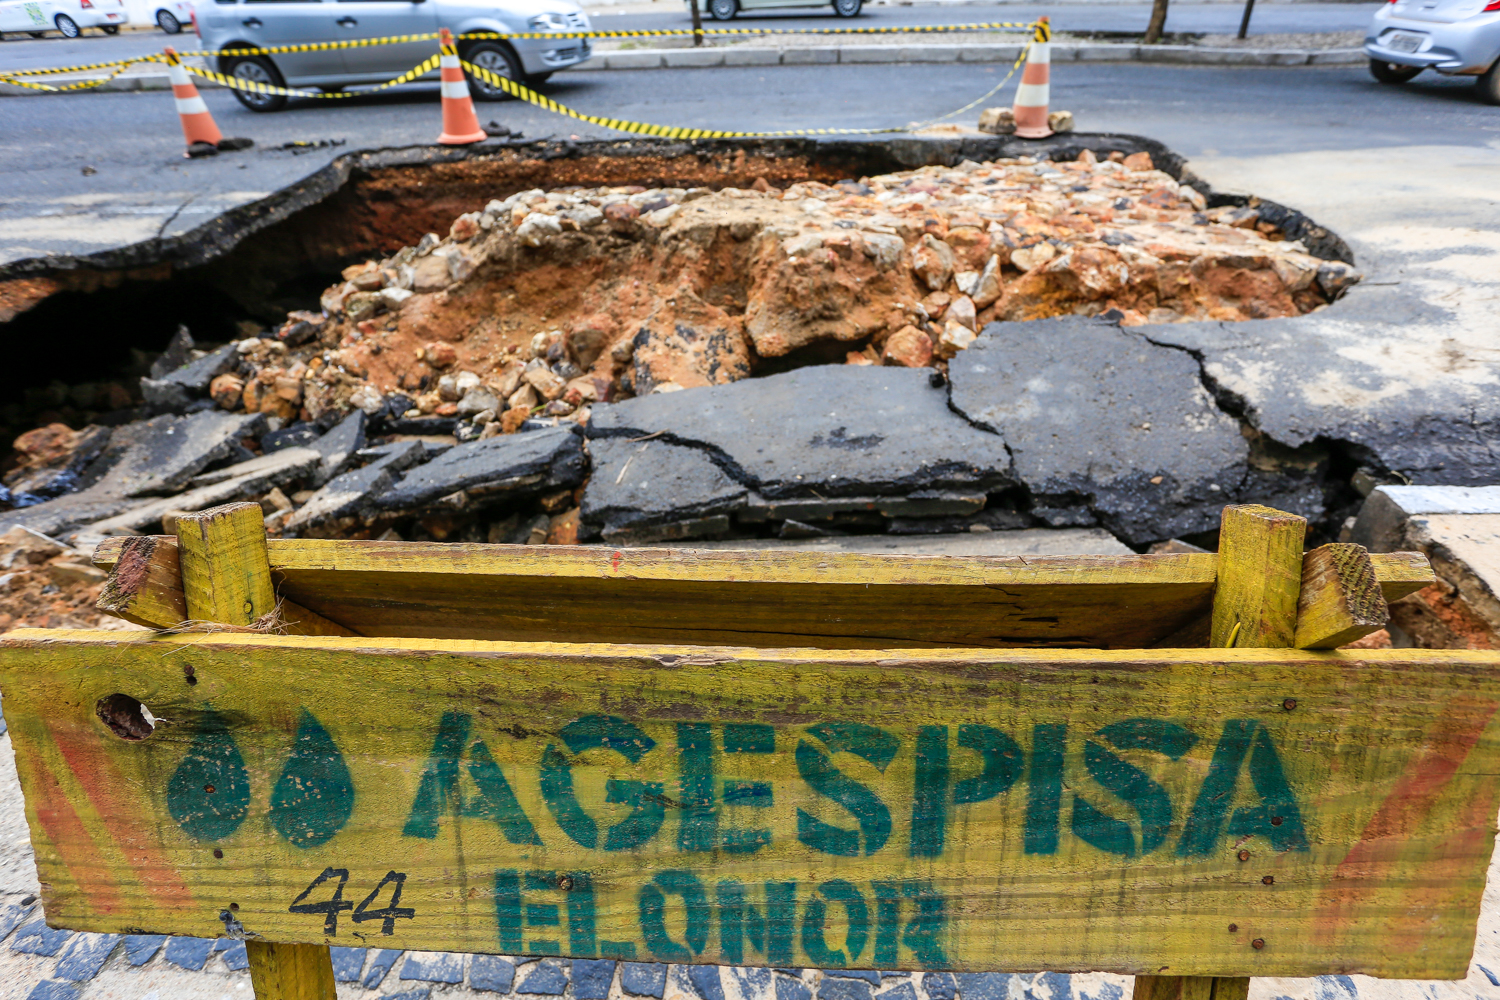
480,473
1102,421
825,431
153,457
1342,376
351,494
639,485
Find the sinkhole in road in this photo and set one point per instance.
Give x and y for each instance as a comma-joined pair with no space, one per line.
532,283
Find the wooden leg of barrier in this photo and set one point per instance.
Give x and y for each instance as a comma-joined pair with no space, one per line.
226,579
290,971
1190,988
1255,607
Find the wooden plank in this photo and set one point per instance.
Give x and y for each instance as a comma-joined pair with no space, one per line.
1260,574
227,580
578,594
1340,599
586,593
145,584
145,587
991,801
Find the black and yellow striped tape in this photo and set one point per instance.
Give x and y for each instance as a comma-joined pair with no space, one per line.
678,132
119,67
1041,33
659,33
236,83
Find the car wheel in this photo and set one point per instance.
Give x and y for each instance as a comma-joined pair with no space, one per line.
847,8
1489,84
66,25
110,29
498,60
1389,72
723,10
168,23
257,69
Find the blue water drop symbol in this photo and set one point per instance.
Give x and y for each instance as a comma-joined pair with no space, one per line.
314,796
209,793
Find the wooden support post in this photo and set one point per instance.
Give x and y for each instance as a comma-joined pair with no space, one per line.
1260,578
1190,988
1255,607
290,971
226,579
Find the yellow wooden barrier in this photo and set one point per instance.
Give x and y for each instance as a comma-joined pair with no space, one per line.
903,763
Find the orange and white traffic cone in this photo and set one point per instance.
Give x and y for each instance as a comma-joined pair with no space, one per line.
1035,91
197,124
460,125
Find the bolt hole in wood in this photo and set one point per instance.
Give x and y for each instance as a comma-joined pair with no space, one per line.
190,674
218,852
1233,928
126,717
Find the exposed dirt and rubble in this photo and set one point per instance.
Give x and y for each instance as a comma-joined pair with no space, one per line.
622,291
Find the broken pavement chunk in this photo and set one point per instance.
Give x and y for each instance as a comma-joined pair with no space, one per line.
646,487
351,494
830,430
1102,420
491,469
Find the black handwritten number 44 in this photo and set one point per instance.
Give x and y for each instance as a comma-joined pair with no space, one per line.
330,908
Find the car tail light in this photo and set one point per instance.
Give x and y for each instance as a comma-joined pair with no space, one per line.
1492,6
86,4
193,15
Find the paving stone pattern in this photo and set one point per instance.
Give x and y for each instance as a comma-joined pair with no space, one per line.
377,974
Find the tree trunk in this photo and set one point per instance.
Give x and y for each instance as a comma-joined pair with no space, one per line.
697,23
1158,22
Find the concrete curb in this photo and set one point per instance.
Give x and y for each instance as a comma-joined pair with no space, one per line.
806,55
938,53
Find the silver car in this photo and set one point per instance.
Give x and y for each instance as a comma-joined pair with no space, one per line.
1454,37
239,24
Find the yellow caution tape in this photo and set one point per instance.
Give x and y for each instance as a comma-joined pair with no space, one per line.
1041,33
119,67
657,33
678,132
236,83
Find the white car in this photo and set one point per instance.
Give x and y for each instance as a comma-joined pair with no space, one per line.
172,16
67,17
1453,37
248,24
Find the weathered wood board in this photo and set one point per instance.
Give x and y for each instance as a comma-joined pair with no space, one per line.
572,593
1185,812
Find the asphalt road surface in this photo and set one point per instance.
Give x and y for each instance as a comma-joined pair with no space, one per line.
19,52
143,188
